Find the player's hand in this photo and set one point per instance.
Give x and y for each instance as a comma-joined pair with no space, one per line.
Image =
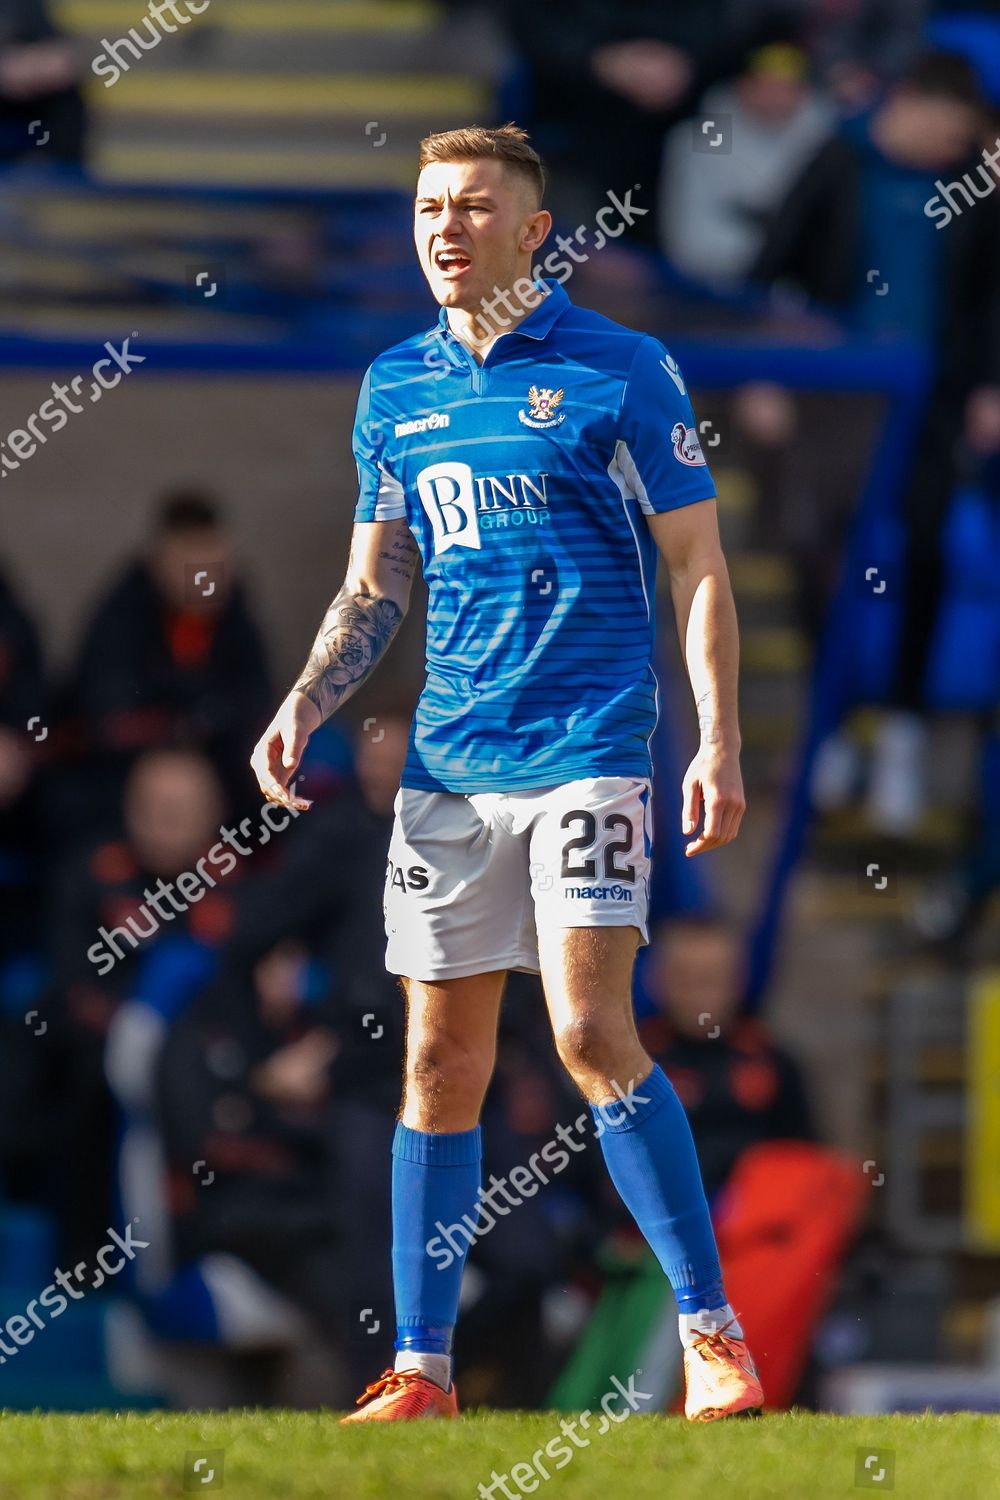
280,749
713,790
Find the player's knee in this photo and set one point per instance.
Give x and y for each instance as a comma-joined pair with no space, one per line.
589,1045
440,1070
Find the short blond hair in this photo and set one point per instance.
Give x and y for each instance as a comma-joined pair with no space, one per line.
507,143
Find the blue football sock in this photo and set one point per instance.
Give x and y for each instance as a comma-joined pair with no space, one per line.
435,1212
652,1161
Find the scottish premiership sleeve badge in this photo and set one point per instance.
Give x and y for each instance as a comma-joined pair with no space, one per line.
687,446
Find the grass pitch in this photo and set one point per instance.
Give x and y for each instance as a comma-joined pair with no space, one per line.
248,1455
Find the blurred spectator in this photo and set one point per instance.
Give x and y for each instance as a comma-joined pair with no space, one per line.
103,928
605,78
859,206
714,205
855,45
41,105
971,28
858,231
22,702
172,656
737,1086
22,709
247,1083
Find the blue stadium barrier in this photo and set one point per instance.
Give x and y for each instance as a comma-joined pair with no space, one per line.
964,667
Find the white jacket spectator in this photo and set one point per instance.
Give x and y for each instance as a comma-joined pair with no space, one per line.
728,168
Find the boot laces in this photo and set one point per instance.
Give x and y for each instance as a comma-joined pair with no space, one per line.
388,1382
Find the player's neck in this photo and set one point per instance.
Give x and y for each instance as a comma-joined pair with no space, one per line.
469,332
479,327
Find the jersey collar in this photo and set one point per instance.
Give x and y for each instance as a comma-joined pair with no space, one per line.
540,321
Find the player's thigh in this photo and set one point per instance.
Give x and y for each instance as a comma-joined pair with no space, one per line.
587,979
587,971
451,1038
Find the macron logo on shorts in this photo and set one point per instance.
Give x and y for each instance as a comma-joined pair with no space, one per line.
599,892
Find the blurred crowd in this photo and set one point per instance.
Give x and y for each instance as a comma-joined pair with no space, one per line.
39,72
844,156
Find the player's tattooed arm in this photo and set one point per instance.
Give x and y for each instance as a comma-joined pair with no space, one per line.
358,627
363,618
355,631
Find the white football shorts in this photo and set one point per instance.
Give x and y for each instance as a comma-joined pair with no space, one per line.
471,877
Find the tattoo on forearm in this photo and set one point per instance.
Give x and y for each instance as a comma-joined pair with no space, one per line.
355,632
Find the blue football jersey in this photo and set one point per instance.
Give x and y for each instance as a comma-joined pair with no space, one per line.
526,482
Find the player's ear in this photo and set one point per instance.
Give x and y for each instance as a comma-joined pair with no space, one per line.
536,230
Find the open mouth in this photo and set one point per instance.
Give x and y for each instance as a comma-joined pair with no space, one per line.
451,262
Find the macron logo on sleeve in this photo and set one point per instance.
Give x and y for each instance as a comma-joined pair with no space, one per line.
670,365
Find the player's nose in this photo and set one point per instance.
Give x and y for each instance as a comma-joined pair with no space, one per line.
449,221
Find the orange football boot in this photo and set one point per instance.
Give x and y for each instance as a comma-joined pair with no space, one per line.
721,1379
403,1396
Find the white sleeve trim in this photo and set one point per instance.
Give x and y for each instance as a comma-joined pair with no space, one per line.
390,502
626,476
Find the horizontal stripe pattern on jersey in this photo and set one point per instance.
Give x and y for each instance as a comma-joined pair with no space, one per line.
526,482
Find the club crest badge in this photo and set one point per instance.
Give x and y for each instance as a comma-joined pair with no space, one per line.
542,404
687,448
